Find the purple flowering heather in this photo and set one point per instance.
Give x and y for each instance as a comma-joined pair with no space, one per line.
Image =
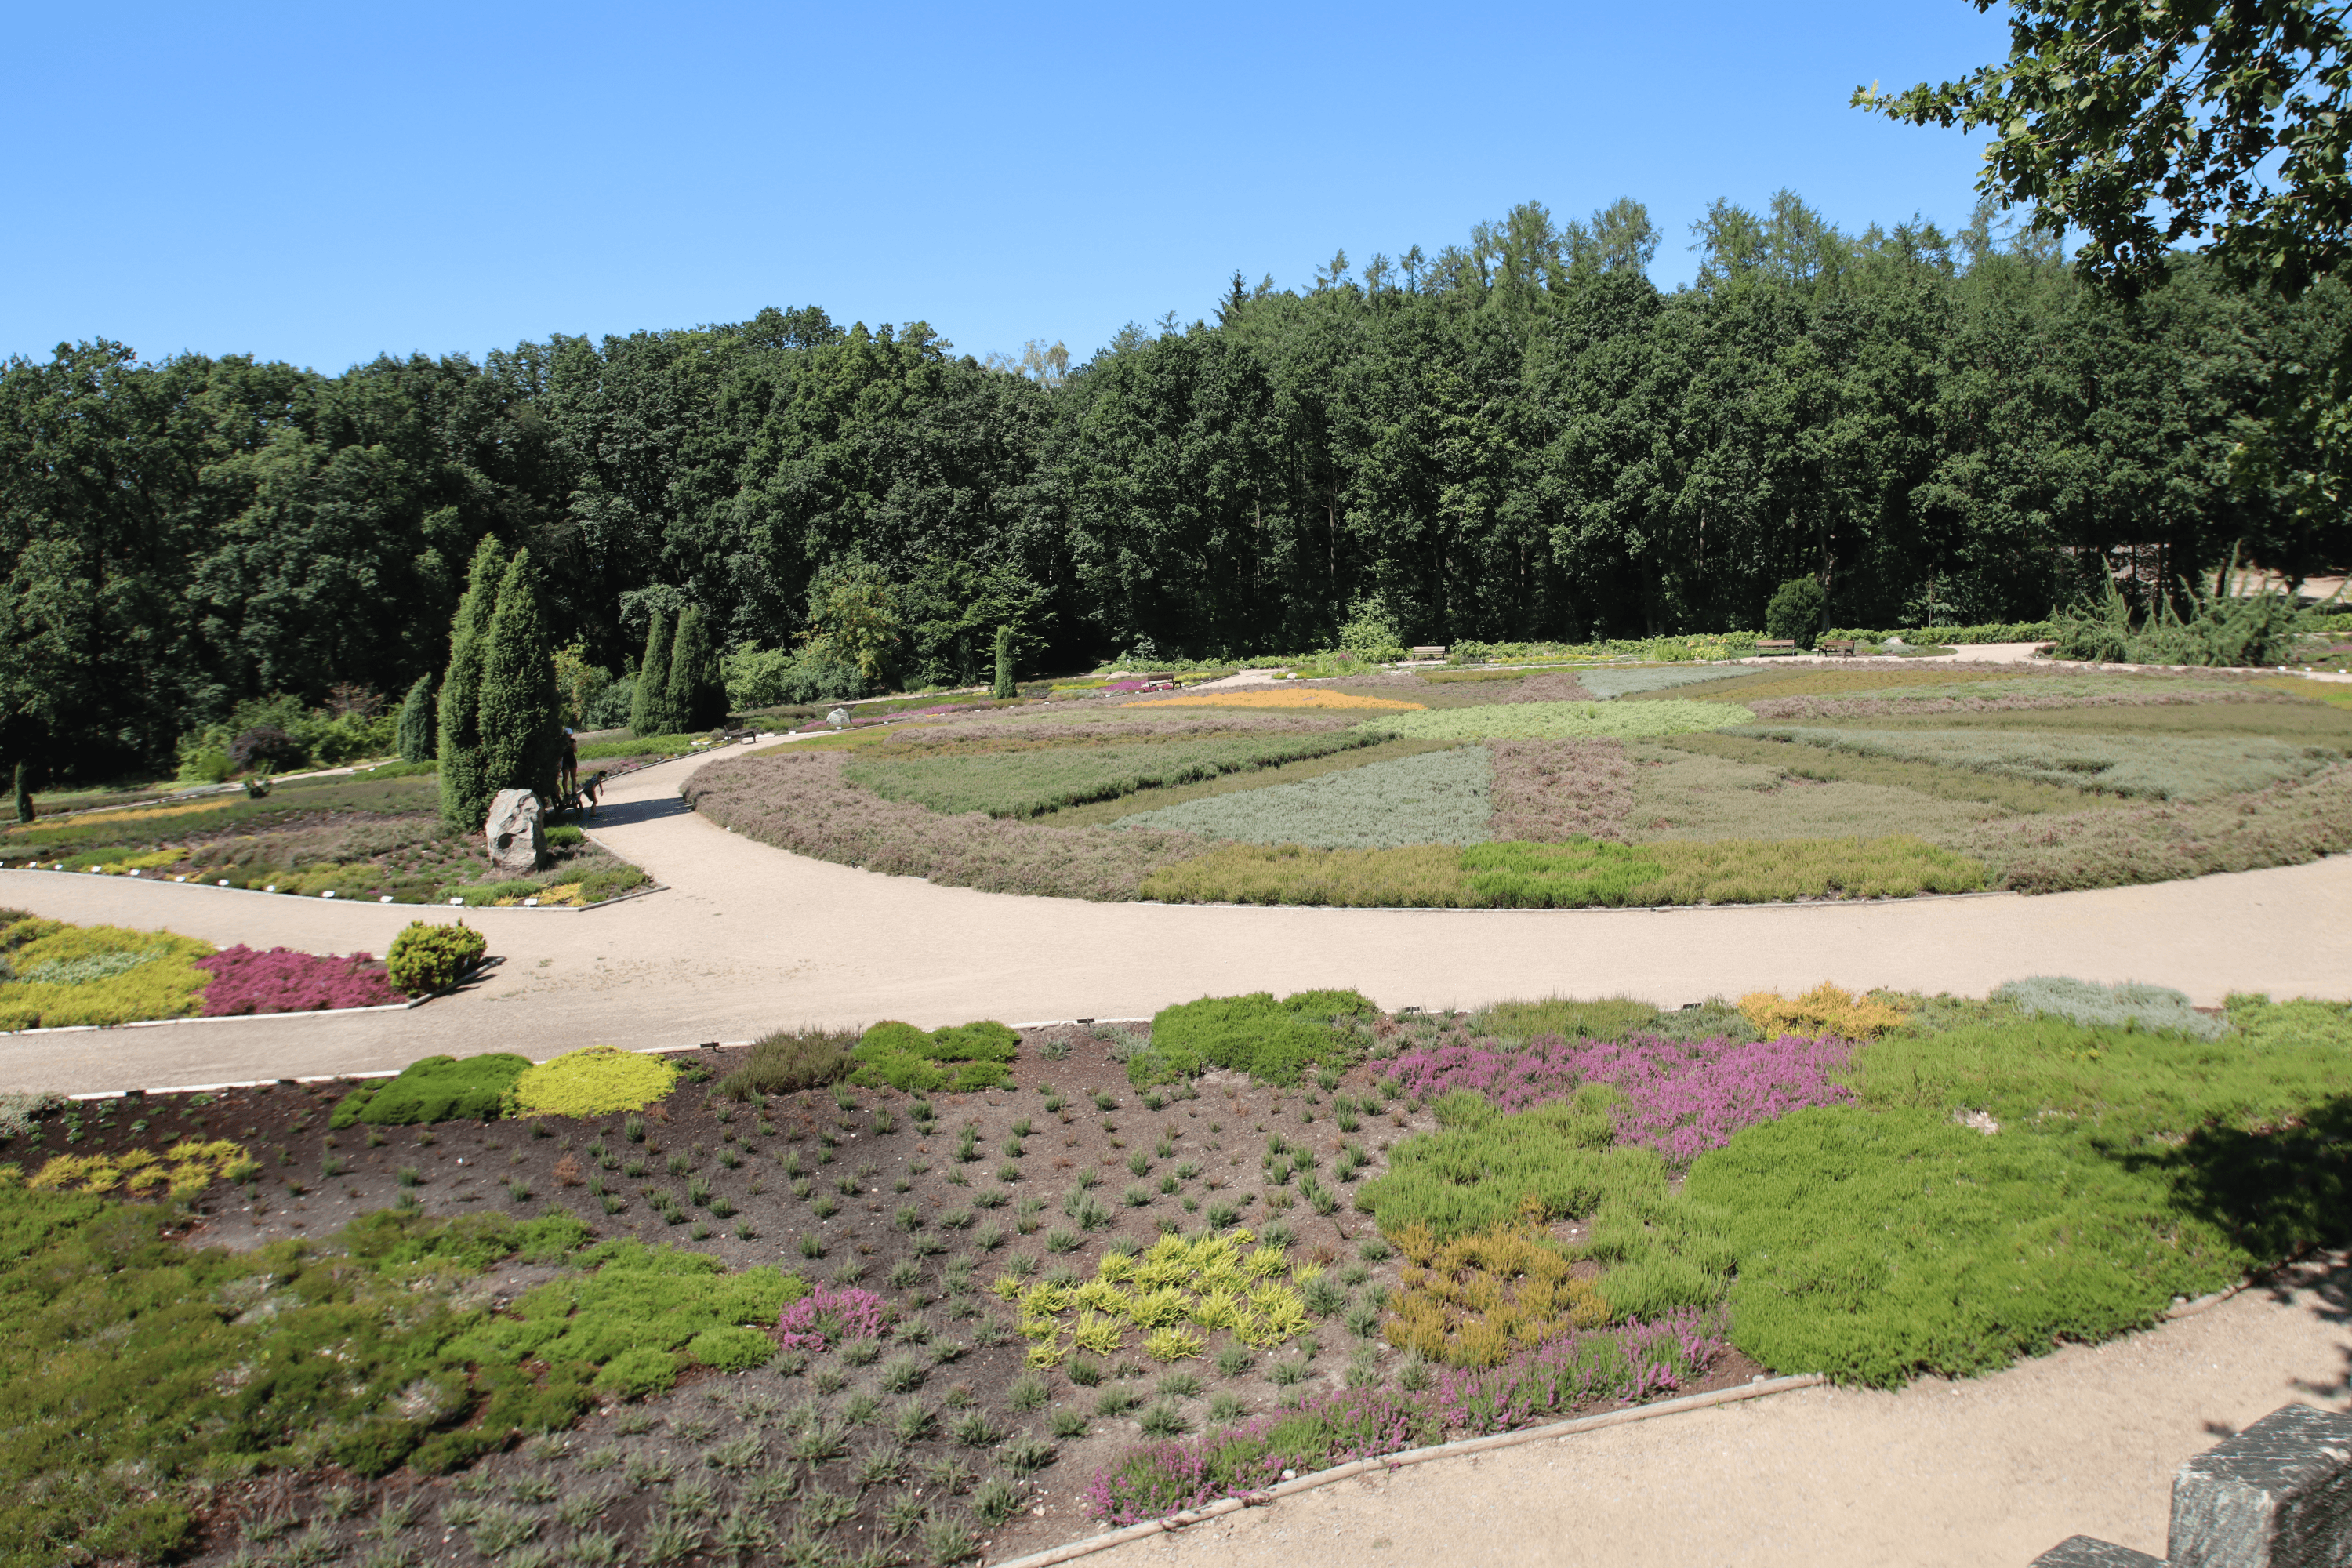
825,1317
1639,1362
1681,1098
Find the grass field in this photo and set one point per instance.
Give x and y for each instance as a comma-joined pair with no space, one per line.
1983,775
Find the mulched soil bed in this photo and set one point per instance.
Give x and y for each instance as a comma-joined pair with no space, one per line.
895,1212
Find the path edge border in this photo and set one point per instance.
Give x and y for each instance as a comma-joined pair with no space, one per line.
1556,1429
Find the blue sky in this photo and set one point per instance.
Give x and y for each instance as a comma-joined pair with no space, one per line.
324,183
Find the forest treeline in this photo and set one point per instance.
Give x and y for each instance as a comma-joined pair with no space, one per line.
1518,437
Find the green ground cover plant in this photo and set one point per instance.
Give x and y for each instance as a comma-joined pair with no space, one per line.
1686,794
1573,875
2174,767
138,1369
1639,680
1609,1018
1620,720
596,1080
958,1059
1037,779
785,1061
1124,808
1272,1041
1440,797
53,974
1934,780
435,1088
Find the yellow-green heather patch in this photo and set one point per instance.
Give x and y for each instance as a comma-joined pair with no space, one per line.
1577,874
53,974
1622,719
596,1080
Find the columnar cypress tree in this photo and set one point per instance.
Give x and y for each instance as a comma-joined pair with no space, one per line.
23,794
523,728
698,689
464,802
417,721
1003,687
649,706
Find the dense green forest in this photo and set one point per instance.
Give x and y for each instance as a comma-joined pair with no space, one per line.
1518,437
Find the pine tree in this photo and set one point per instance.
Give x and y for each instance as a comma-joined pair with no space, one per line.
698,689
1005,687
417,721
649,705
464,802
522,711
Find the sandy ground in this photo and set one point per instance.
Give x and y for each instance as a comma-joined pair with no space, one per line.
1991,1472
747,938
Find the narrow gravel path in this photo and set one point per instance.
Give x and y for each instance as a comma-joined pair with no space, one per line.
746,938
1983,1474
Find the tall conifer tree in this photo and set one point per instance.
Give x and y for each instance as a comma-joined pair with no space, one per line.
698,690
522,729
649,706
463,801
417,721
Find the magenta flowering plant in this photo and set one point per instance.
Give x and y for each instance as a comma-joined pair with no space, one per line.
1680,1098
1640,1361
824,1318
246,980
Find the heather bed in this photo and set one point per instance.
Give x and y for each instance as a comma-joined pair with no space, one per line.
1901,781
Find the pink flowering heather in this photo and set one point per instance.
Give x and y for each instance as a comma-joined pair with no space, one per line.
244,980
1639,1362
1681,1098
823,1318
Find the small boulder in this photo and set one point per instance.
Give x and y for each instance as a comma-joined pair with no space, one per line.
517,832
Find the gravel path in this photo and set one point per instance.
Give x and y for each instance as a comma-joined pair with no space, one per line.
747,938
1989,1472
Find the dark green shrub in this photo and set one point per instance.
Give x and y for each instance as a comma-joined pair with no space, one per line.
442,1089
153,1531
1273,1041
375,1447
698,689
792,1060
521,711
427,957
959,1058
1004,686
1795,611
564,835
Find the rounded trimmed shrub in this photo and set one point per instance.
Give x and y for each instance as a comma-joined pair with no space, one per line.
1795,611
427,957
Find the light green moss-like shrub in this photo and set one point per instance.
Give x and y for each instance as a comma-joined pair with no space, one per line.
1486,1168
596,1080
788,1061
633,1374
959,1058
427,957
1611,1018
439,1089
730,1349
1270,1040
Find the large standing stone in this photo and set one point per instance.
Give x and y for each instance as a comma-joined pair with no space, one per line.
516,835
2277,1495
2089,1552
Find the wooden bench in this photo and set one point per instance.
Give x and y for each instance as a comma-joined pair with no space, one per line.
1841,648
1775,647
1428,653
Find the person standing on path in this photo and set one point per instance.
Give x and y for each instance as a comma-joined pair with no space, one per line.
568,768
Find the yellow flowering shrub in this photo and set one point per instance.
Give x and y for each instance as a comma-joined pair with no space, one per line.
1823,1010
182,1171
1474,1301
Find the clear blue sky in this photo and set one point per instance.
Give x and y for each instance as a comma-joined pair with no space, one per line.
324,183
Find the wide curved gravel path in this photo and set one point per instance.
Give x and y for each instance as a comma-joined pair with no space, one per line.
746,938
